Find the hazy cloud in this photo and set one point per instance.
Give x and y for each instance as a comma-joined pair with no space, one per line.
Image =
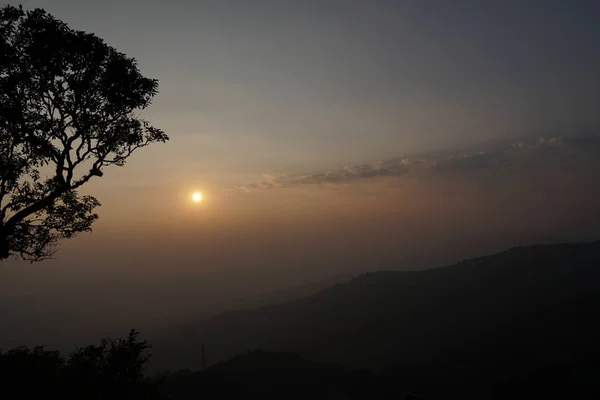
506,155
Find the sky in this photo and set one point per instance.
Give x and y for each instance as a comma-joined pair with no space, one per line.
327,137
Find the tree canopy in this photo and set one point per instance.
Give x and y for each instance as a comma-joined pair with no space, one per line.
114,369
69,107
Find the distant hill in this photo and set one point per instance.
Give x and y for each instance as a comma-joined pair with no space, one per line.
518,308
285,294
259,374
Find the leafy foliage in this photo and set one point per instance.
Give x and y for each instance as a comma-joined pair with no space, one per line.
113,369
68,105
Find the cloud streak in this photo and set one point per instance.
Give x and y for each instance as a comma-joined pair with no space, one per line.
505,155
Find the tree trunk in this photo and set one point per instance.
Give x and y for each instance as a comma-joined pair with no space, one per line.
4,248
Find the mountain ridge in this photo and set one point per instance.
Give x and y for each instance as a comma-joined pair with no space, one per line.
381,316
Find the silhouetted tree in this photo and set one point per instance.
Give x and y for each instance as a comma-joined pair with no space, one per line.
68,105
31,371
112,370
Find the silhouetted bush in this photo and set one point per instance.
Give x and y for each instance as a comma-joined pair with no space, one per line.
114,369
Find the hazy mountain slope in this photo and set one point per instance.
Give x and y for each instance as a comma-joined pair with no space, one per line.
284,294
259,374
538,301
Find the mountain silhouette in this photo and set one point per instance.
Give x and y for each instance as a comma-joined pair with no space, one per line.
514,311
281,295
259,374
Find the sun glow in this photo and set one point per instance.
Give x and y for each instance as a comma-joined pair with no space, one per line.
197,197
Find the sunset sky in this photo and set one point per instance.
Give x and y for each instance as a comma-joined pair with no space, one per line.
327,137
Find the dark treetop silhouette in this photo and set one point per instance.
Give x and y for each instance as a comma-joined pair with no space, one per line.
114,369
67,110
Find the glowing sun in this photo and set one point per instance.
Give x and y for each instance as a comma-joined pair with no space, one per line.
197,197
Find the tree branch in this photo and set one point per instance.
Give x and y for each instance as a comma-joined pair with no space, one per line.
33,208
3,188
